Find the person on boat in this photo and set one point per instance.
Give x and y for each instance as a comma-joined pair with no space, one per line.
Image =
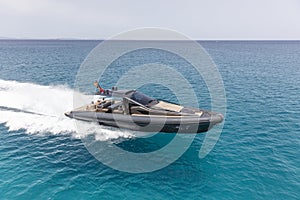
100,89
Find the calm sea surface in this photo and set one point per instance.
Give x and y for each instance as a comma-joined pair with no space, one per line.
256,157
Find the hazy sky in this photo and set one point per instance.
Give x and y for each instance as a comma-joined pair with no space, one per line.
99,19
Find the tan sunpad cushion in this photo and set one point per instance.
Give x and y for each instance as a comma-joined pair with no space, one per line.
168,106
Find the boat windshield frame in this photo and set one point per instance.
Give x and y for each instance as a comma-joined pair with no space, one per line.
142,98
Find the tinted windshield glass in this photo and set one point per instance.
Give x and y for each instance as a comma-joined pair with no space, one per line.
141,98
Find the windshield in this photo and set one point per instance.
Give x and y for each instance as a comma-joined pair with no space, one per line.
141,98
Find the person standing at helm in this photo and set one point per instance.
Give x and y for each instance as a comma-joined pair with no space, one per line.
100,89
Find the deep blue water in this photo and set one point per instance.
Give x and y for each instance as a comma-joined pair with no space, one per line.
256,157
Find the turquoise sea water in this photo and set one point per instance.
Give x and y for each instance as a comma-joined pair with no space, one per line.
256,157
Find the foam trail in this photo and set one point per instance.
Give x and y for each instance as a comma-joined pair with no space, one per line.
40,109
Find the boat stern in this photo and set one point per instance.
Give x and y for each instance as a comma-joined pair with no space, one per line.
69,114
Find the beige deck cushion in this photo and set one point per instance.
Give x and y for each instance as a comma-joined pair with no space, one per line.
168,106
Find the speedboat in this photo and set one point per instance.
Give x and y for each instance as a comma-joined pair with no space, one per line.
131,109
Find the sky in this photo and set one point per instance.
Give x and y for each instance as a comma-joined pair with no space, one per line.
197,19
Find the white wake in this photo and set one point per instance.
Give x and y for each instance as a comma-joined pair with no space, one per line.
40,109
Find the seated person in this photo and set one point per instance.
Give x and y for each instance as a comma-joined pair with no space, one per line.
98,102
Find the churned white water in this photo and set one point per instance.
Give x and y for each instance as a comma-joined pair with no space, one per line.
40,109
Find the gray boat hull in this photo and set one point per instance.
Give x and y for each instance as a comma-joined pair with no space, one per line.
154,123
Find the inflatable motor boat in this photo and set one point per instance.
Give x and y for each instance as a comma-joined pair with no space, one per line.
134,110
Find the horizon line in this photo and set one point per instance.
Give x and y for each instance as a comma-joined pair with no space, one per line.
95,39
